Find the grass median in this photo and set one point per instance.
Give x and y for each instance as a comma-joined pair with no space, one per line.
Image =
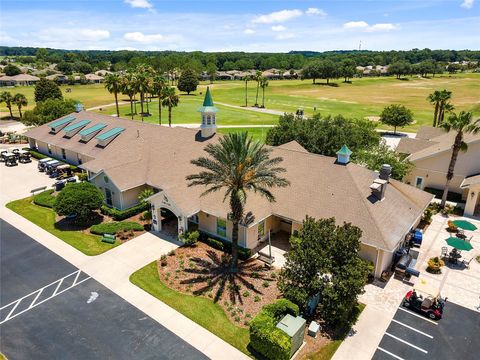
201,310
88,244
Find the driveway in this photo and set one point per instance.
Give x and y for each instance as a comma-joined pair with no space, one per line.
413,336
64,313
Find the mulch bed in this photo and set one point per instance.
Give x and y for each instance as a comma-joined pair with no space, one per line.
204,271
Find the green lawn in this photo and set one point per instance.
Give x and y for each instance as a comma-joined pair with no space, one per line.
201,310
45,218
256,133
187,113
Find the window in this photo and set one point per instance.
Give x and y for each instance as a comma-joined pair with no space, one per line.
419,182
261,229
64,154
49,147
105,179
108,196
203,119
193,219
221,227
208,120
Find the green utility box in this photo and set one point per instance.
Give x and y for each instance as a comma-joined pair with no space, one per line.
295,328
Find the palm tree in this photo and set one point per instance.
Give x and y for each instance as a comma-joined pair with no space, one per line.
446,108
434,98
263,85
238,165
170,100
158,86
20,100
462,124
143,84
440,99
128,87
246,78
7,98
257,77
113,85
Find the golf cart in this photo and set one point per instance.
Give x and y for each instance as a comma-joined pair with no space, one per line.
24,157
42,164
61,172
2,155
10,159
51,165
425,299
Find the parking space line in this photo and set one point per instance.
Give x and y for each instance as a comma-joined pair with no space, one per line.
389,353
38,292
412,328
419,316
406,343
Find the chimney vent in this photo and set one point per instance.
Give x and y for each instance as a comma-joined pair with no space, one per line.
385,172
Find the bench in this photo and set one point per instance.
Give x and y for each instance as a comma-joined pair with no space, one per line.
108,238
267,259
41,188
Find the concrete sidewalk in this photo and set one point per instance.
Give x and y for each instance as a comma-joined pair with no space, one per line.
113,269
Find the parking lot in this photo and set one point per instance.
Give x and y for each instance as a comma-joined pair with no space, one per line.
51,310
413,336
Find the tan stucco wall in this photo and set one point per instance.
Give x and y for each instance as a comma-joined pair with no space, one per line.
208,223
71,156
472,201
100,183
130,197
434,169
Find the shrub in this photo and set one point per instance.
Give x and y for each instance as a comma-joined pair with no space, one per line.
146,216
163,260
257,298
124,214
82,176
245,294
45,198
81,199
224,245
190,238
435,265
265,337
116,227
35,154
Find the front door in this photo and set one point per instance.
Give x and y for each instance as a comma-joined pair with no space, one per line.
108,196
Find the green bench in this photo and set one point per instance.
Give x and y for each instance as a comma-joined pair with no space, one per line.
108,238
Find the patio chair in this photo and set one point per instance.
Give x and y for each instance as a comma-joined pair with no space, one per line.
466,262
444,252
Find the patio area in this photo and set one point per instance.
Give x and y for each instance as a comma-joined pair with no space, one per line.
280,245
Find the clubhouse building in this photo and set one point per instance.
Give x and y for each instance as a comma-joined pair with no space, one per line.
123,157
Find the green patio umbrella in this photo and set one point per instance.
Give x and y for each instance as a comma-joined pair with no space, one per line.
459,244
465,225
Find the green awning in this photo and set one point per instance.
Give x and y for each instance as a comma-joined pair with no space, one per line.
459,244
465,225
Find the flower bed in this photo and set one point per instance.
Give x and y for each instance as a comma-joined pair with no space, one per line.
204,271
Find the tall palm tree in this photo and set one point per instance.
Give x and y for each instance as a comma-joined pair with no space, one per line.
113,85
434,99
170,100
7,98
462,124
440,99
20,100
143,84
263,85
129,88
246,78
238,165
257,77
446,107
159,84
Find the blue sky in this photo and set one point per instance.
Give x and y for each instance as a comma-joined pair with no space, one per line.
245,25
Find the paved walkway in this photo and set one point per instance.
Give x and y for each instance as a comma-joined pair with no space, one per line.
114,267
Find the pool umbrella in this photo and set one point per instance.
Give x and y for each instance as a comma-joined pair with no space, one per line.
465,225
459,244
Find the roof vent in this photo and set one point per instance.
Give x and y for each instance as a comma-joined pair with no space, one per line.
106,138
378,188
343,155
72,129
78,107
58,125
385,172
87,134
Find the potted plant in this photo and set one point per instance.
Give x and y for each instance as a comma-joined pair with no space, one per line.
435,265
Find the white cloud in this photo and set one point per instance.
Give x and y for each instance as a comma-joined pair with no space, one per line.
467,4
277,16
249,31
140,37
143,4
315,11
381,27
284,36
364,26
355,25
94,35
279,28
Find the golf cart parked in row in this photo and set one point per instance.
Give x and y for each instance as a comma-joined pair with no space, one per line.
42,164
425,299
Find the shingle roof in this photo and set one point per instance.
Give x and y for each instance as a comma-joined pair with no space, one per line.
161,157
429,132
410,146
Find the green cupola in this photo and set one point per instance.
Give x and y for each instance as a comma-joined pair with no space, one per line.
343,155
209,116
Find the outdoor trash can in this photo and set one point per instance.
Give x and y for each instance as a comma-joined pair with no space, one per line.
295,328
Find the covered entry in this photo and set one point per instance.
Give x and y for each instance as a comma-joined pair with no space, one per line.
166,216
168,222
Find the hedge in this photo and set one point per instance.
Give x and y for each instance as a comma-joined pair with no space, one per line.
265,337
124,214
115,227
45,198
35,154
223,245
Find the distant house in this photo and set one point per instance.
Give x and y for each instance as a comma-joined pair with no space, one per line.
18,80
102,72
59,78
94,78
430,152
272,74
223,75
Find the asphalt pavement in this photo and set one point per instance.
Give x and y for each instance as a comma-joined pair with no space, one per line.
51,310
